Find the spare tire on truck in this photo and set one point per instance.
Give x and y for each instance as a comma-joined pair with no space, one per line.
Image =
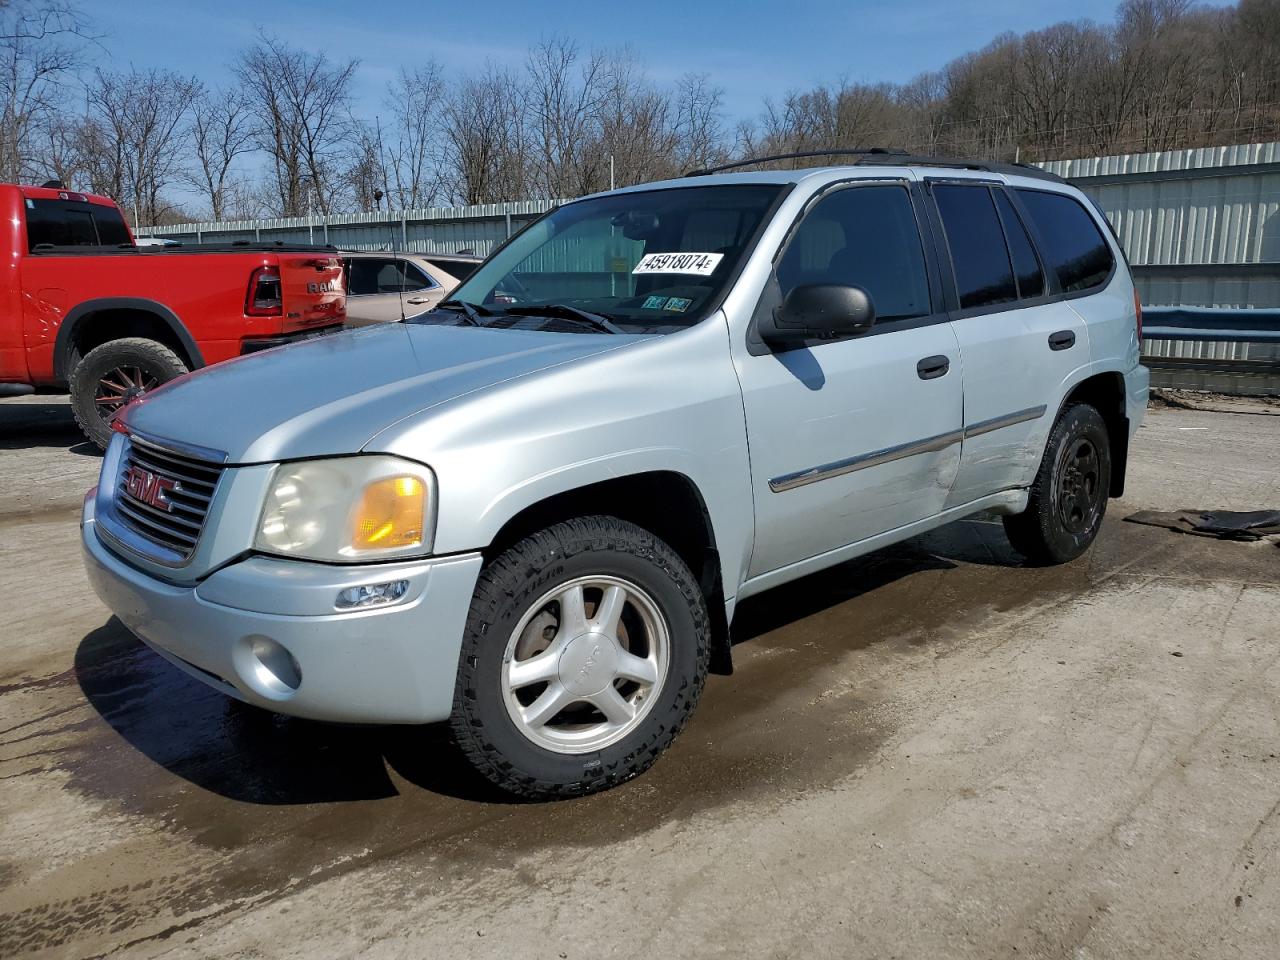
114,373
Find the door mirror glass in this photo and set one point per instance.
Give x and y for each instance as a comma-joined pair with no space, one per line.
819,311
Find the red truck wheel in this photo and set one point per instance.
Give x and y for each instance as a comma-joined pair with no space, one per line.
113,374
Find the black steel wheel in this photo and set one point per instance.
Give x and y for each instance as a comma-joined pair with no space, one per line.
1069,494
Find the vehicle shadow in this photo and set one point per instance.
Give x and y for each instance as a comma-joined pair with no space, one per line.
244,753
28,423
251,755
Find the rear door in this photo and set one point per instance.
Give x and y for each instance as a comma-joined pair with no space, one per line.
1019,339
851,438
423,288
379,288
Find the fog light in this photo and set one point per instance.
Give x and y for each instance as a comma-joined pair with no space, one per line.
372,594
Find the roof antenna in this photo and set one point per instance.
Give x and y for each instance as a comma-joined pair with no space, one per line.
54,185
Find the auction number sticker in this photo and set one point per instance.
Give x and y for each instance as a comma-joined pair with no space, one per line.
703,264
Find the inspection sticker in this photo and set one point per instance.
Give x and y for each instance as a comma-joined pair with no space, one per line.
703,264
678,304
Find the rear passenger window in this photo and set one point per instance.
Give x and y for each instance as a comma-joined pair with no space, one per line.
366,276
1026,266
978,252
1074,247
865,237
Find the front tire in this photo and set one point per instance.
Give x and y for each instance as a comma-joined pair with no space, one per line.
1069,494
585,653
113,374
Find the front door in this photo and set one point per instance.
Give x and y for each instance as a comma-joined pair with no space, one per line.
856,437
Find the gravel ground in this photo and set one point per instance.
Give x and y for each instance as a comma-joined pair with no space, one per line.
929,752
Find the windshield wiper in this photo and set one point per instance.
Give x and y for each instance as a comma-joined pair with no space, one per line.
565,312
470,311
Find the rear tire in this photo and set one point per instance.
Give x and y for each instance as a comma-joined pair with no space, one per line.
115,373
1069,494
590,603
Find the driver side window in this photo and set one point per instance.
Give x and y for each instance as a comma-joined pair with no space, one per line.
862,236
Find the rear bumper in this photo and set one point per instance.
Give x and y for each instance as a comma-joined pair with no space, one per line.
266,631
1137,387
255,344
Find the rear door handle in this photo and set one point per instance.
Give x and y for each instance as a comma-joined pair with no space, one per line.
930,368
1062,340
418,300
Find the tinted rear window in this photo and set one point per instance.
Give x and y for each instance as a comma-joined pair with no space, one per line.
68,223
1072,244
978,252
458,269
1025,264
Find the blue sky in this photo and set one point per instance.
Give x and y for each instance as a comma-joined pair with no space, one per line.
751,49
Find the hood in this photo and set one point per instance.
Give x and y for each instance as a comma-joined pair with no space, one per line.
331,395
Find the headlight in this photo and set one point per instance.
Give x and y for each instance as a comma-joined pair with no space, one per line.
352,508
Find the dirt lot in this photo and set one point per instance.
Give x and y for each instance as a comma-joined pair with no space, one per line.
931,752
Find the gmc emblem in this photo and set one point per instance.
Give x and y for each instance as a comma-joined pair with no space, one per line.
324,286
145,487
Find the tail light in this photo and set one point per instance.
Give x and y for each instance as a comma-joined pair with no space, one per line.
1137,310
264,293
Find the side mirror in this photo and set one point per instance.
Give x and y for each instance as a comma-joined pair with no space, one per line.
820,311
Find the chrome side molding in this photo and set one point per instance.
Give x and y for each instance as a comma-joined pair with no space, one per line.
826,471
1008,420
839,468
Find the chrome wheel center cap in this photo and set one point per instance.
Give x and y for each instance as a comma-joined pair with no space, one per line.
589,664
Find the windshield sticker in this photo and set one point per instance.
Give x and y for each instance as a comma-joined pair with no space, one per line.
654,303
678,304
703,264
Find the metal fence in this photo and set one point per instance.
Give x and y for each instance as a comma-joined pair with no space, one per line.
1201,228
431,230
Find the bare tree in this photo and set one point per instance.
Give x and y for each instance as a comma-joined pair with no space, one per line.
41,43
565,91
699,121
303,105
487,142
221,132
138,116
413,144
636,128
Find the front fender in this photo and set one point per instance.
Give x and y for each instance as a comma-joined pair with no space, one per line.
668,404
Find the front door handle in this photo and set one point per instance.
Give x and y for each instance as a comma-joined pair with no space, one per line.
1062,340
930,368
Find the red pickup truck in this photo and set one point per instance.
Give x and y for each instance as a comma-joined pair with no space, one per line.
85,308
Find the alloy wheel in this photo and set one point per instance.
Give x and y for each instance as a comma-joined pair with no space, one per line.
585,664
119,386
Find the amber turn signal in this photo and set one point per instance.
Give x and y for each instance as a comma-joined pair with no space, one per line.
390,514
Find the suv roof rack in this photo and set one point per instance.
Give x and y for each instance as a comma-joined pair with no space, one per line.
885,157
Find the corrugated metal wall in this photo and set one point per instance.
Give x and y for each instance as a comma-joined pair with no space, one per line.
1201,228
432,230
1186,218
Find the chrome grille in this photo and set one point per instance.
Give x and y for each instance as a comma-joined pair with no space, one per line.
194,480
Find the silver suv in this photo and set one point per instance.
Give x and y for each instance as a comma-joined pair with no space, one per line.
531,512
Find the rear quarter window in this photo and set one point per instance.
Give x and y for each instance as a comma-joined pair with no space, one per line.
458,269
1071,243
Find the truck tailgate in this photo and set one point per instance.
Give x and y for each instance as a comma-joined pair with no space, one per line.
311,291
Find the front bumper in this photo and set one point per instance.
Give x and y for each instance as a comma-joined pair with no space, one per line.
266,631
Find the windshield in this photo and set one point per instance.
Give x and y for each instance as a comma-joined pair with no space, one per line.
651,261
